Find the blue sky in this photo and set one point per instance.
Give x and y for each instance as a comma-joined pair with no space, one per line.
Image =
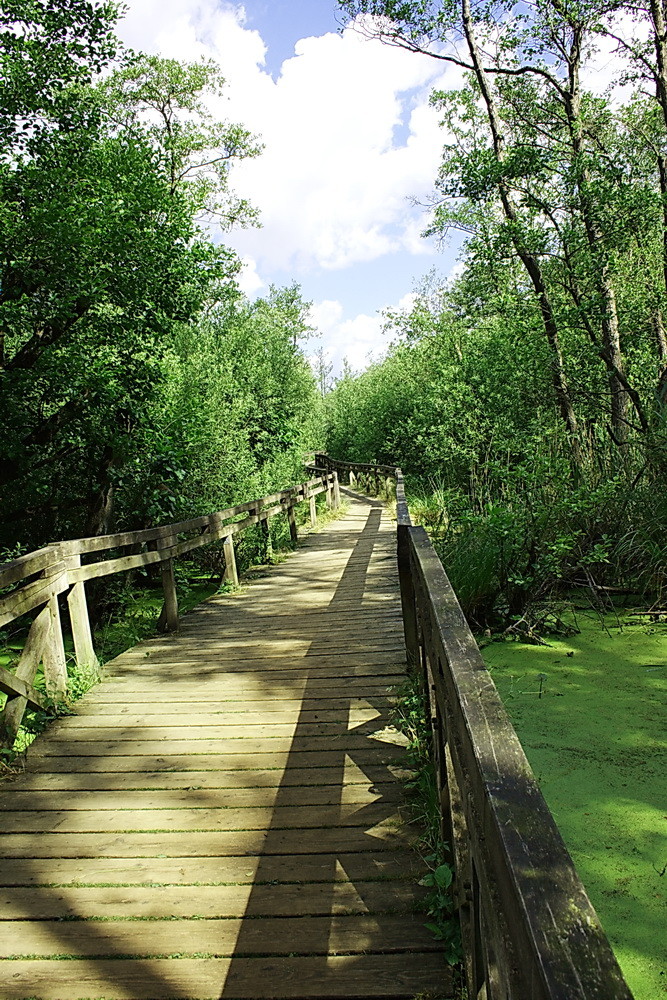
349,140
283,22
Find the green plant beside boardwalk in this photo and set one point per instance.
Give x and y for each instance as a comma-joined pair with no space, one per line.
589,710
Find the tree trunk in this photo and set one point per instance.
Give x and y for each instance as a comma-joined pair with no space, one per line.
529,260
611,340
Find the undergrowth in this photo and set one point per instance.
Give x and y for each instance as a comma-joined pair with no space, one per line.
410,718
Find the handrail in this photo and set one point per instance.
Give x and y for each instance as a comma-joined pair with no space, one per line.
529,930
40,577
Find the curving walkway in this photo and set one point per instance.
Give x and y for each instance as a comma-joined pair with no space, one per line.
221,817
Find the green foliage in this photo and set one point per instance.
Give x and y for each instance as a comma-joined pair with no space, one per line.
410,718
138,385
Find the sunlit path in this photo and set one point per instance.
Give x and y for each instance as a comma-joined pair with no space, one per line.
222,817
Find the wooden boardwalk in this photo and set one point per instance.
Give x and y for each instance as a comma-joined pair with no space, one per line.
221,819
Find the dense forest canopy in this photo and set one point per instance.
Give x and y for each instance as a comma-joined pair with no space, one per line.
138,384
531,393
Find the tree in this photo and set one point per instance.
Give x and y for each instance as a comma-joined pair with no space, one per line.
101,258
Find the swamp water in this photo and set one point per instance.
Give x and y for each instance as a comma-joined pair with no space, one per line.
590,712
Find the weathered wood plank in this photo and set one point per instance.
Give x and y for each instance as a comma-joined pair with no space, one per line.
190,729
259,748
238,979
239,758
137,780
91,712
217,844
347,934
31,596
302,868
12,714
209,901
202,818
199,798
12,685
27,565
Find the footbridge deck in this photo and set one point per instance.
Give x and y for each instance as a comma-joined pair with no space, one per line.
222,818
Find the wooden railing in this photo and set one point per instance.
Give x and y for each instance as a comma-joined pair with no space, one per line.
39,578
529,930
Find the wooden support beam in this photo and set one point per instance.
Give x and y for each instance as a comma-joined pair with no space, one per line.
12,714
336,491
80,623
168,620
291,520
53,657
313,511
231,573
14,687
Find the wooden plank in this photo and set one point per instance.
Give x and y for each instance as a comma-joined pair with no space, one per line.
238,979
217,844
12,714
84,723
345,934
231,692
202,818
239,758
31,596
256,797
209,901
361,867
27,565
13,685
189,729
248,647
265,747
79,780
137,712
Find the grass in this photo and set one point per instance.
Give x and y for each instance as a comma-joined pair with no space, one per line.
595,740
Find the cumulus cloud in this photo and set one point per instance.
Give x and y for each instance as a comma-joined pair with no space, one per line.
357,340
249,280
348,133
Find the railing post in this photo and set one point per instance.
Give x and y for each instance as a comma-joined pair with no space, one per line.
169,617
329,490
231,574
408,603
53,657
291,520
313,511
336,491
265,532
80,622
352,479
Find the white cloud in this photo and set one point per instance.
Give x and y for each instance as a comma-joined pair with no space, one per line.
332,184
249,280
359,340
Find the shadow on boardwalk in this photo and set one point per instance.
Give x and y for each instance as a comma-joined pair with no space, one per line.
169,915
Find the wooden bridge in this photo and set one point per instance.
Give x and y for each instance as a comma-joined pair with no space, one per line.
222,817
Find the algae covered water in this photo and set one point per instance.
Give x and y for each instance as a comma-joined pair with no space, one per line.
590,713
